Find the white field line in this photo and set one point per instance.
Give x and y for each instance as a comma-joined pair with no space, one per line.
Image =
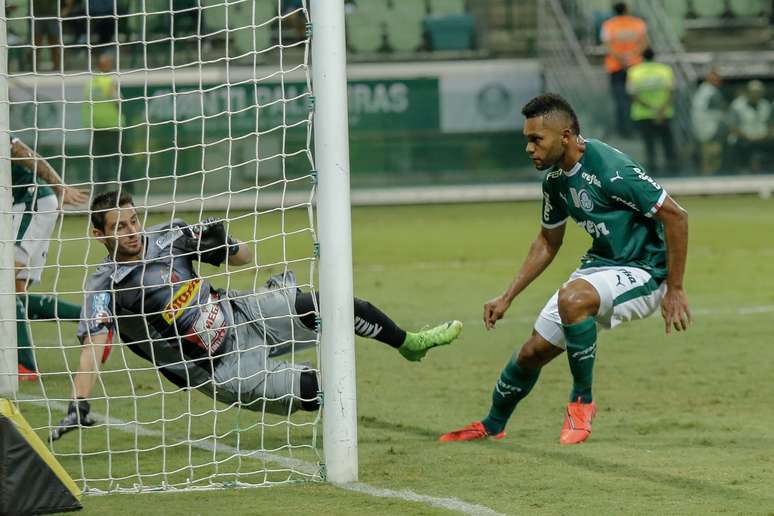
451,504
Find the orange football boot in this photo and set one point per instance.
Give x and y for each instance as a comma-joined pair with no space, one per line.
27,375
577,424
472,432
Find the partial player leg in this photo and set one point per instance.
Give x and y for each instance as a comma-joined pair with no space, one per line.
578,304
50,307
515,383
27,367
372,323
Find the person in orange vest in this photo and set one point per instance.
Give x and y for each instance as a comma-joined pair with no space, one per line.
625,37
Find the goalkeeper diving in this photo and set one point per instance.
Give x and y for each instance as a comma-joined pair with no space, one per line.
220,342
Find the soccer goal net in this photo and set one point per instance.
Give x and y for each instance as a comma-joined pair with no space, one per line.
180,328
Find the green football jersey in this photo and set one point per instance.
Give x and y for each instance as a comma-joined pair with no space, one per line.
611,197
25,185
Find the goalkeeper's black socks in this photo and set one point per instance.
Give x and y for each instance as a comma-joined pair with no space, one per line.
25,355
514,384
50,307
581,340
369,320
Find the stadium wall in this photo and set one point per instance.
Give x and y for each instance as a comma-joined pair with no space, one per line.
419,132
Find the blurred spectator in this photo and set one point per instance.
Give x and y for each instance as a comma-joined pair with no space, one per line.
625,37
46,26
708,116
651,86
186,18
103,21
293,18
102,113
750,121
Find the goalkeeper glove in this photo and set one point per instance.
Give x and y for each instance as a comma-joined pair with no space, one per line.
77,415
209,240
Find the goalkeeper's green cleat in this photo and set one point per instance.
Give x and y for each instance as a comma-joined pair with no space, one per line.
416,345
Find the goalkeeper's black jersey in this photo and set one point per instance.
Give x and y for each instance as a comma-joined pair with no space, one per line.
160,307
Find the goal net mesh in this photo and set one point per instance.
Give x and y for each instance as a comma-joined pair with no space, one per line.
197,108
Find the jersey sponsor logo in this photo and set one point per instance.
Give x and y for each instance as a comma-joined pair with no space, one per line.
591,179
181,299
594,229
616,177
645,177
547,207
209,329
630,204
167,238
554,174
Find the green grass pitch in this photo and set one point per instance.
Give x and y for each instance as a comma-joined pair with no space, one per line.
684,424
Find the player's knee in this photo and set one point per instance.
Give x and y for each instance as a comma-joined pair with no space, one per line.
309,391
528,356
577,301
536,353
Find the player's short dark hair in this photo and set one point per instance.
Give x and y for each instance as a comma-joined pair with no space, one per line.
105,202
620,8
551,103
648,54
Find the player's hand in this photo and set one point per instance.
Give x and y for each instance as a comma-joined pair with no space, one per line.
203,227
494,311
77,415
74,196
675,311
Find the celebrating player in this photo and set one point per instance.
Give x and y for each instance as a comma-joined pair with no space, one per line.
201,337
635,264
38,193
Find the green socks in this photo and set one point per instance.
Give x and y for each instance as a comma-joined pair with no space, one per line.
25,356
514,384
581,340
38,307
50,307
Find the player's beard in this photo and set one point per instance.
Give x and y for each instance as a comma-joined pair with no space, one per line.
551,159
121,253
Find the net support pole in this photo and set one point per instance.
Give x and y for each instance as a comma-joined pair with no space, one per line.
331,146
9,382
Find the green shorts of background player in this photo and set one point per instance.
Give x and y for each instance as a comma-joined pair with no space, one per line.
635,265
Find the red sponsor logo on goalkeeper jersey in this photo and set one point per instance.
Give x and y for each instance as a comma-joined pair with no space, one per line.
181,300
209,329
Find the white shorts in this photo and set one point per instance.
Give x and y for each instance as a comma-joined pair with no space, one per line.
626,294
33,228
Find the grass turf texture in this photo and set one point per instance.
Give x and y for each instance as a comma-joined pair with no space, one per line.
684,422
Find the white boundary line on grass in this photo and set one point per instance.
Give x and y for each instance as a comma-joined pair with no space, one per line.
451,504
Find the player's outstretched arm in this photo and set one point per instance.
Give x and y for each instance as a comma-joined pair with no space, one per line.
239,253
674,306
541,253
92,354
31,160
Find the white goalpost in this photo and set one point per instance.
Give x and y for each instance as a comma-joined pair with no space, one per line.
228,109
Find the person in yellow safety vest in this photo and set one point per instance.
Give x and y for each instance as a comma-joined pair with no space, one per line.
651,87
102,113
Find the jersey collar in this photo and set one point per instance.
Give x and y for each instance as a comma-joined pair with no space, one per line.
574,170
